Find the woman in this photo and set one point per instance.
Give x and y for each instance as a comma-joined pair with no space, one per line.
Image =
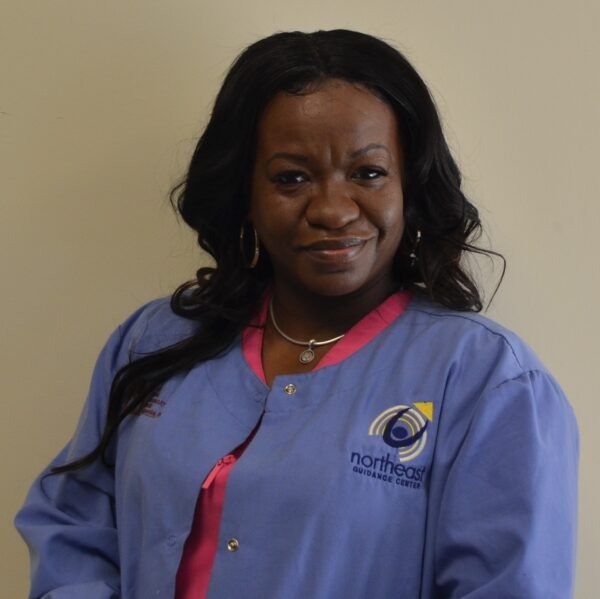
322,414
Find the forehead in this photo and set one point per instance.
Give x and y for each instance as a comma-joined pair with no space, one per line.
337,113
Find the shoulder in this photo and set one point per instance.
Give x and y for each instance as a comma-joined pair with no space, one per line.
472,337
471,355
490,375
153,326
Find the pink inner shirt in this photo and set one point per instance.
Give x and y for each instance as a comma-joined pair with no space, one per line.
193,575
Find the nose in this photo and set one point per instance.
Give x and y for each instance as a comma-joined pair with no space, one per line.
331,207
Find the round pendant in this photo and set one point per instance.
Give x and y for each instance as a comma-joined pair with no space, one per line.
308,355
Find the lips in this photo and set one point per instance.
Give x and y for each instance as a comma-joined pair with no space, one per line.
336,253
335,244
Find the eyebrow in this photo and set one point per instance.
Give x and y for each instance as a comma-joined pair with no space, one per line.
368,148
305,159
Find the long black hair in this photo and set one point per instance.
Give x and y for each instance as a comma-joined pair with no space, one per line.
213,199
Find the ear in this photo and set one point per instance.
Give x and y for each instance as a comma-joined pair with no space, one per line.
249,216
247,203
247,219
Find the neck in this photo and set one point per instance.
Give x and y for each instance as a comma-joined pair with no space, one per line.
302,314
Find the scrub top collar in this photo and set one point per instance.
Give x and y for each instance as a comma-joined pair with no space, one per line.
361,333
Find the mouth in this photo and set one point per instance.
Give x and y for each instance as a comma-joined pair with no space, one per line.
338,254
335,244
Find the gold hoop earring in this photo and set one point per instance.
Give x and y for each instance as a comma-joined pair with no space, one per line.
256,248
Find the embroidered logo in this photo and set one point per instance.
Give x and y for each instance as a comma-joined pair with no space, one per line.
401,428
404,428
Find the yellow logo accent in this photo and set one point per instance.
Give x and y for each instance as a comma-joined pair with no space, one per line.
426,408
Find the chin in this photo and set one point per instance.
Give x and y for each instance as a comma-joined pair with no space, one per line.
331,280
335,284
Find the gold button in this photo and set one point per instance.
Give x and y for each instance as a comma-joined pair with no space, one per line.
290,389
233,544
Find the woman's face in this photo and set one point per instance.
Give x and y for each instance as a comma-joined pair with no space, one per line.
329,169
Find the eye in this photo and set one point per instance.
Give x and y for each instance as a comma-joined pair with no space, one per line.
288,178
370,173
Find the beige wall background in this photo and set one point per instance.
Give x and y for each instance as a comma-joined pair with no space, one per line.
100,107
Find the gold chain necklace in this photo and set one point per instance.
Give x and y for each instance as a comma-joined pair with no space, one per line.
307,355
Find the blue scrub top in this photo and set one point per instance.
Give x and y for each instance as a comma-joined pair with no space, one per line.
438,460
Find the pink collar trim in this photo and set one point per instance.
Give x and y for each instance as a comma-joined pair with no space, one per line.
359,335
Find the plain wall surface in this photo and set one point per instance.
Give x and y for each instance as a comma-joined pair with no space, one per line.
100,108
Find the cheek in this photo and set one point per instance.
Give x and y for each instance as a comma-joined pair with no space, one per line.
274,221
390,219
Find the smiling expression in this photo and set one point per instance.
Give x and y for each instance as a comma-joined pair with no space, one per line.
328,171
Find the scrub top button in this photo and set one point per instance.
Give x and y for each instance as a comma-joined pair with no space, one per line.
233,544
290,389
